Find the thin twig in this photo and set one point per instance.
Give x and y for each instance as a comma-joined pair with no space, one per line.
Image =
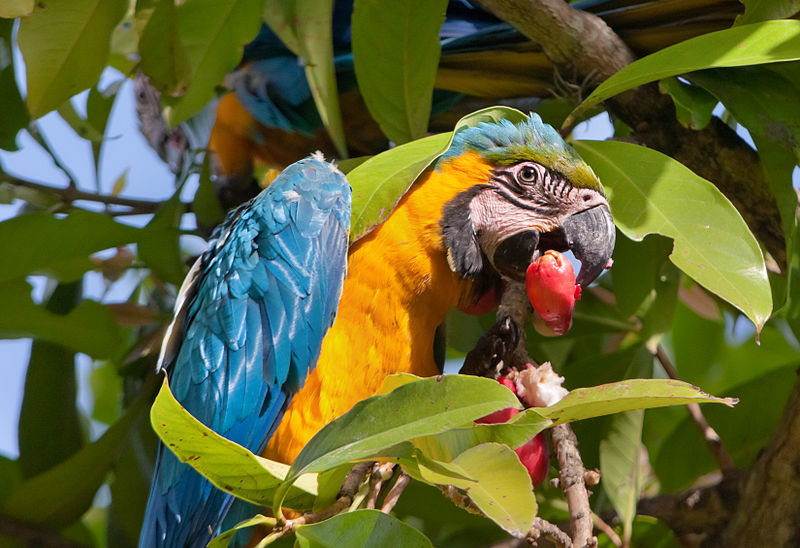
543,527
70,194
380,473
571,476
394,493
713,440
607,529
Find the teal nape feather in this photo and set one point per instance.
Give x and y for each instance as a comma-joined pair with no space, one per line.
505,143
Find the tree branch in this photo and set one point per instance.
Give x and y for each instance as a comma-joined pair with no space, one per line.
71,194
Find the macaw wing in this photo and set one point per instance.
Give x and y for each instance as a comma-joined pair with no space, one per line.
248,329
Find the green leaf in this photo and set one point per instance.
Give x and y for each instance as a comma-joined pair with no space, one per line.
89,328
361,528
16,8
497,483
225,538
764,10
161,251
163,57
65,44
693,105
228,465
41,241
50,428
15,113
621,455
79,125
60,495
396,54
213,34
206,204
427,406
647,532
380,182
652,193
606,399
10,476
305,26
314,28
768,42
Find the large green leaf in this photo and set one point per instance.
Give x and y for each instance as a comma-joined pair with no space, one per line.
497,483
621,467
226,464
15,114
768,42
40,241
360,529
50,427
380,182
89,328
693,105
420,408
652,193
606,399
163,57
60,495
213,33
396,54
65,44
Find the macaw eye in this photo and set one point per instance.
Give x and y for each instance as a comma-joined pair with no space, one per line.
527,174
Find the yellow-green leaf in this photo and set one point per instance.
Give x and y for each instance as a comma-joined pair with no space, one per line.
65,44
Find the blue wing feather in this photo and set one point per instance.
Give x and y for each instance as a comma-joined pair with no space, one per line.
253,319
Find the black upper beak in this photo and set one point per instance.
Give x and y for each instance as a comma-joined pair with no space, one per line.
590,235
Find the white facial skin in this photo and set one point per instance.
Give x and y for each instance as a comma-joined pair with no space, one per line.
525,196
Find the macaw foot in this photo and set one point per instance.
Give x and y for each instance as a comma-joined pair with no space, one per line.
493,350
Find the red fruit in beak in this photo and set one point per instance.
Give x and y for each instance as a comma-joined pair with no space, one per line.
551,288
535,454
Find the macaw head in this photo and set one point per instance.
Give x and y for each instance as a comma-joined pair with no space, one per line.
529,192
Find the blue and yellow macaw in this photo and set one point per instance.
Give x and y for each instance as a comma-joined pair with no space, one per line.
250,352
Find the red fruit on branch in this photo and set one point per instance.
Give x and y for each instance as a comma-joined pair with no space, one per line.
535,454
550,284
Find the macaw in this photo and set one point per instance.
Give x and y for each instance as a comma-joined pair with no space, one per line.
248,353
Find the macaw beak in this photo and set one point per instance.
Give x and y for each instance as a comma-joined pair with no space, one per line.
589,234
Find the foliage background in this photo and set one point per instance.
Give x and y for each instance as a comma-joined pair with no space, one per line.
646,302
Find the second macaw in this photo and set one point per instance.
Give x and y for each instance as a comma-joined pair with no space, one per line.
248,351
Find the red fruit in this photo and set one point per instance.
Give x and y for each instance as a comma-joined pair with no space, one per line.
551,288
534,455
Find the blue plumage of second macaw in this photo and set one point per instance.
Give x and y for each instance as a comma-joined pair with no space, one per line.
249,324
